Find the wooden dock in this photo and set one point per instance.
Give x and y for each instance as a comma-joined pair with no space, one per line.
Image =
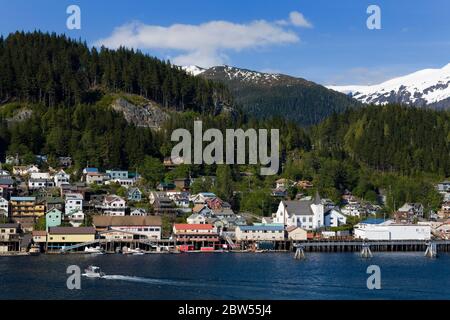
381,245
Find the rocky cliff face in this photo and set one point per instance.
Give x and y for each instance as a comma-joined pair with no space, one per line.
147,114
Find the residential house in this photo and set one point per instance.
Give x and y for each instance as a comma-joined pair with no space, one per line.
60,178
223,213
181,200
4,207
307,214
202,209
217,204
196,218
76,218
134,194
162,204
444,186
148,227
4,174
113,205
25,170
73,203
9,231
412,211
261,232
334,218
6,185
201,197
53,218
40,175
139,212
94,178
117,174
54,203
35,184
9,237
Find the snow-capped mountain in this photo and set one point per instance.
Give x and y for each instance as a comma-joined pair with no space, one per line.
428,87
273,94
229,73
193,70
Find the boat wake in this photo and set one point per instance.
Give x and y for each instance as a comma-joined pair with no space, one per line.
147,280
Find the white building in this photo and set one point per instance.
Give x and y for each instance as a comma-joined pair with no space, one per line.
306,214
34,184
272,232
4,205
375,229
95,178
196,218
40,175
334,218
61,178
76,218
113,205
73,203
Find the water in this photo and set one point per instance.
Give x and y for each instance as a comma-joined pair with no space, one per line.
228,276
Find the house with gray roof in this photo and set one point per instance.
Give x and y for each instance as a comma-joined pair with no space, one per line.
306,213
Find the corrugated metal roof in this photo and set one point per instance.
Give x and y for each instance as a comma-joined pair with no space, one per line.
262,228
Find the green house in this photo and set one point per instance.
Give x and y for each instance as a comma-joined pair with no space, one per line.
53,218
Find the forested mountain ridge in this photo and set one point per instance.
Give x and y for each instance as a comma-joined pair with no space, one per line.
390,138
52,69
265,95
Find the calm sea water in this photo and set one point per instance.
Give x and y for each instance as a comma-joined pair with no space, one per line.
228,276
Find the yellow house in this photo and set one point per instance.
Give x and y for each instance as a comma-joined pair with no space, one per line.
70,235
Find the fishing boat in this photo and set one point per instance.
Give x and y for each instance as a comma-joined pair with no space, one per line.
93,272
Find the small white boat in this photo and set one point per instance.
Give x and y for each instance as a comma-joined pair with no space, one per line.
134,252
91,250
93,272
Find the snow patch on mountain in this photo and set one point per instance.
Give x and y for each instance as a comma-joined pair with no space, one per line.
424,87
193,70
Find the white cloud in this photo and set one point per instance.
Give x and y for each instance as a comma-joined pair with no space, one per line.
298,20
205,44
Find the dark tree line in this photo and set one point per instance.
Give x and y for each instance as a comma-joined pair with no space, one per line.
54,69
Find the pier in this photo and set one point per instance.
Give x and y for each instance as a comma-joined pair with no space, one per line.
429,247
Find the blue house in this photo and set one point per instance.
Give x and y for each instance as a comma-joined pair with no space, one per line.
53,218
134,194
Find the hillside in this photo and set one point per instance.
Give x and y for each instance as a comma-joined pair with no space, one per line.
265,95
389,138
52,69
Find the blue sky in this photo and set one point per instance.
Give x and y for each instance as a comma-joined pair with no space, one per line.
326,41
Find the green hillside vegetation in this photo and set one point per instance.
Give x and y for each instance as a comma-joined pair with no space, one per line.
393,150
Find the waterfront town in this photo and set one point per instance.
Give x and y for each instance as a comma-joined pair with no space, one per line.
45,210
